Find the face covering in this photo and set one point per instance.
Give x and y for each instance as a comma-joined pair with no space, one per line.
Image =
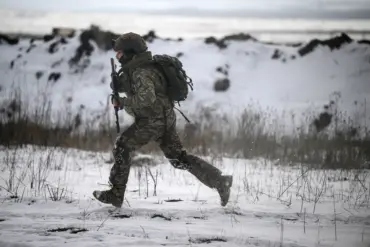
126,57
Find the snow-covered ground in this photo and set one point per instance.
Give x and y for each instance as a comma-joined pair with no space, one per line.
270,205
274,79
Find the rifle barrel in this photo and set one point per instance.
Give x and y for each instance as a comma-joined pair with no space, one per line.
115,92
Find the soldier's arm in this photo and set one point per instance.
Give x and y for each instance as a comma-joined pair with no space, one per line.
144,95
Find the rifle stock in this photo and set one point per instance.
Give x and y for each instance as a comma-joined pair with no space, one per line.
115,91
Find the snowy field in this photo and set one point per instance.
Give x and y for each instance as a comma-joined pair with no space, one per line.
46,201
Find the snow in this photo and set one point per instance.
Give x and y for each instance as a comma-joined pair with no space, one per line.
265,208
277,87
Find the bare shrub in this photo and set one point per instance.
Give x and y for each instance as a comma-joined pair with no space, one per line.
56,193
15,179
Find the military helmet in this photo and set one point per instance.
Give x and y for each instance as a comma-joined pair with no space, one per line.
130,42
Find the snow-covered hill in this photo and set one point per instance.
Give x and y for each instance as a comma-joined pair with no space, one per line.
277,79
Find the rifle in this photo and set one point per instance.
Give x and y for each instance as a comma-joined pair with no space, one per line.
115,91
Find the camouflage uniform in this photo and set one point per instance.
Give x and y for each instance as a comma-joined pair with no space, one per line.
155,120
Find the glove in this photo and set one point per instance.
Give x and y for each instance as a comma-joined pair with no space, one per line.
117,101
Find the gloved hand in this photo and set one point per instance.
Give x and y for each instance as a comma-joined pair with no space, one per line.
117,101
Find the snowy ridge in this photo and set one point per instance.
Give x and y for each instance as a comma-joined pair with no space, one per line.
280,79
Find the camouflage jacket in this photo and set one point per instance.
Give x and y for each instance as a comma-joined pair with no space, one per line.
145,90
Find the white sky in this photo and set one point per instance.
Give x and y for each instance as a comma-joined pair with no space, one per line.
208,5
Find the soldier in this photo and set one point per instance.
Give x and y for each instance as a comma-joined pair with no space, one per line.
155,120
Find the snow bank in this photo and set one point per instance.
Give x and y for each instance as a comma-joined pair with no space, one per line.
280,80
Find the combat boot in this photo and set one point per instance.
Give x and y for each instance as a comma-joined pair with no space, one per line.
223,189
210,176
112,196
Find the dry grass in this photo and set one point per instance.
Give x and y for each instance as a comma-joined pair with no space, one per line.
248,136
341,144
21,126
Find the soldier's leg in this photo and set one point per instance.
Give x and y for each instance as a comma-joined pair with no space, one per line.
131,139
205,172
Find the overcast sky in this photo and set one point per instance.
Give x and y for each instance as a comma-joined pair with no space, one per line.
352,8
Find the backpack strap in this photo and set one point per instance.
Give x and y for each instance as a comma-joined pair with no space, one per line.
182,114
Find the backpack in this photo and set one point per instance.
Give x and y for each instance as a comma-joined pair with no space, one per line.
177,81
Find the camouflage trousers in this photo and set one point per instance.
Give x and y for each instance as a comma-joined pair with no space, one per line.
162,131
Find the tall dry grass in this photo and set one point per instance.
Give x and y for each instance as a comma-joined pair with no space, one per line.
247,136
21,125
